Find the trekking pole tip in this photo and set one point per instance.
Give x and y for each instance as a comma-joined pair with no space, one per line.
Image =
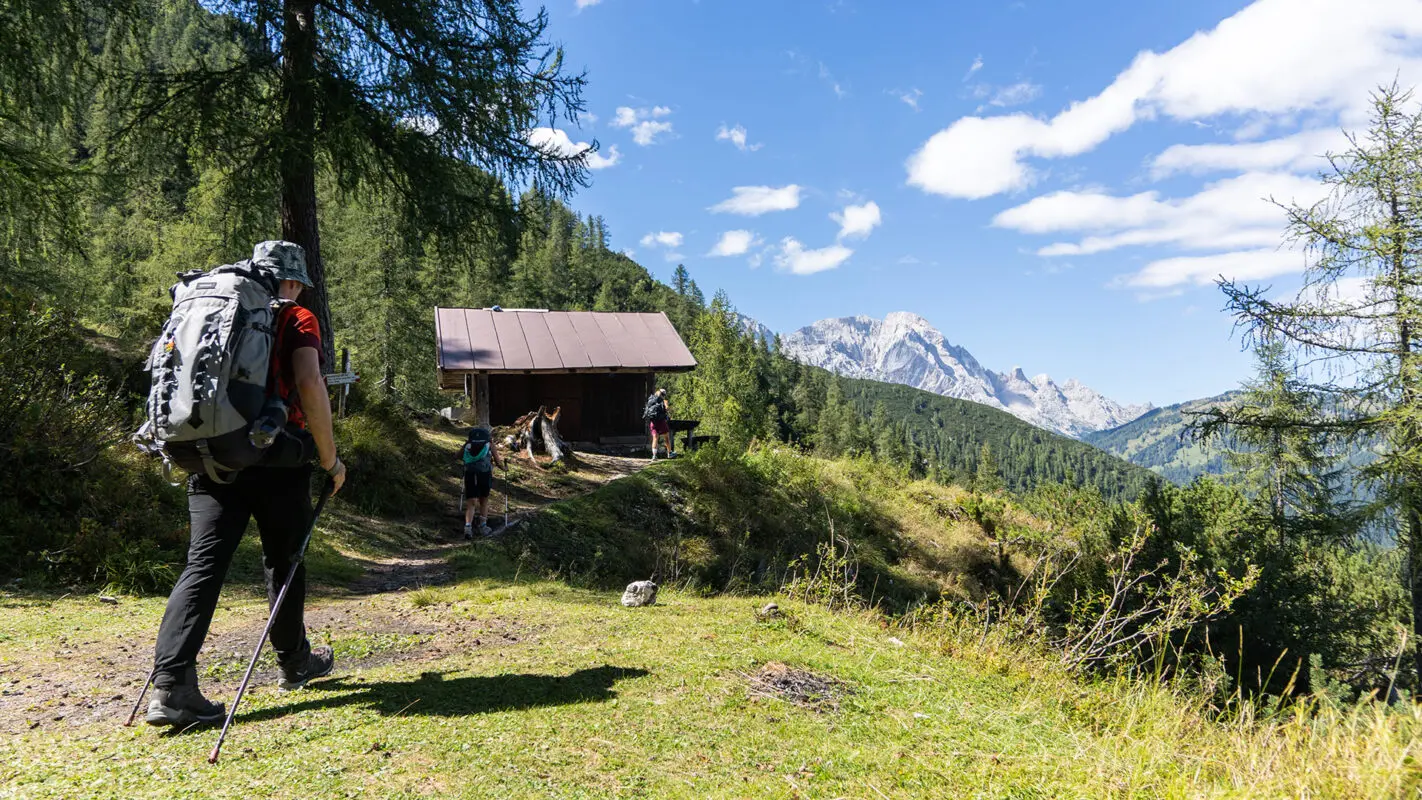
212,757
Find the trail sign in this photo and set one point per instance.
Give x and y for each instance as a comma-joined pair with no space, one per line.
342,378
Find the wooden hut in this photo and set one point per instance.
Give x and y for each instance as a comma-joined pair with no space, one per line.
598,367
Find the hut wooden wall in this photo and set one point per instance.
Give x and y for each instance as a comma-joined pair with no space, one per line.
594,405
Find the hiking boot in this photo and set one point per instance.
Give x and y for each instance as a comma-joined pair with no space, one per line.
468,531
182,705
319,662
484,529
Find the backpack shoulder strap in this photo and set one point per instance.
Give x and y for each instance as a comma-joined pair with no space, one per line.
282,315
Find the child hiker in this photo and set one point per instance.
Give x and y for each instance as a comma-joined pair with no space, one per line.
479,456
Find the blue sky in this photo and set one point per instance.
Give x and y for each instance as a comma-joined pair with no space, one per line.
1053,185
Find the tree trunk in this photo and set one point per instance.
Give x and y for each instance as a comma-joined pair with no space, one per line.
1412,523
546,426
1407,379
298,158
482,415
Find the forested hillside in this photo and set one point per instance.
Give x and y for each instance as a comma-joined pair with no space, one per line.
1159,441
956,431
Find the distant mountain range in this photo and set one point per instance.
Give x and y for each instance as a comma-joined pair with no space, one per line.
905,348
1158,441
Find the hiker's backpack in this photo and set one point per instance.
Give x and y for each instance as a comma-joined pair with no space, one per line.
208,408
478,453
655,408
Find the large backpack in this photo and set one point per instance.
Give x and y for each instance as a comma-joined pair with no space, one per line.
210,369
655,408
478,452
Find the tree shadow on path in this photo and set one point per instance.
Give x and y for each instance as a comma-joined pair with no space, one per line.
432,695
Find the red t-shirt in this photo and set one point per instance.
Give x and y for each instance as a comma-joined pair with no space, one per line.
296,328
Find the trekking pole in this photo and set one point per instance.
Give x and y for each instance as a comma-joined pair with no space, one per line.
296,560
146,683
506,495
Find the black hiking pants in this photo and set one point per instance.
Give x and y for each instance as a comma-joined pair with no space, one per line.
280,499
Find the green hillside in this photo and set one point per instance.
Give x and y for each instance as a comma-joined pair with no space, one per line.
954,431
1157,441
507,667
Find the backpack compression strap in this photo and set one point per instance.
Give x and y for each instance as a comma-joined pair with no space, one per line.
209,464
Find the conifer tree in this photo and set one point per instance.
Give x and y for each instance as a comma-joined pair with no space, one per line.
434,97
681,280
1359,318
987,479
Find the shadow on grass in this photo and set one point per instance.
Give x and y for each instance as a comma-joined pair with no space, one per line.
432,695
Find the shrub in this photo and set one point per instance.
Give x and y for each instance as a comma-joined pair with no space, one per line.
76,505
389,467
727,521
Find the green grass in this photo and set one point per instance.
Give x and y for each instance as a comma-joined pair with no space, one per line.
511,683
538,689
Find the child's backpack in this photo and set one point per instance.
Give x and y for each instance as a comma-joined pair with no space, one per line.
478,453
208,405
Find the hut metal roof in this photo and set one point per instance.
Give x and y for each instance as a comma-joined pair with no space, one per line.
484,341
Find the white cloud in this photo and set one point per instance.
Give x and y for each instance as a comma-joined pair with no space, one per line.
1015,95
557,142
1266,59
970,159
909,98
1300,152
582,4
645,133
625,117
825,76
857,221
668,239
1246,265
737,137
794,257
756,200
645,123
1227,214
977,65
600,161
735,243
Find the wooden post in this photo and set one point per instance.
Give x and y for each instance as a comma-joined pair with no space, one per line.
481,399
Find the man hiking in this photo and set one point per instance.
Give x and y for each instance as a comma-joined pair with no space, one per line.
479,457
658,417
278,496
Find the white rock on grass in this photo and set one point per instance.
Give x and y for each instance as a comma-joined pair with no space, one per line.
639,593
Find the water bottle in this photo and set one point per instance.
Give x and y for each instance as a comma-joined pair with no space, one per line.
273,418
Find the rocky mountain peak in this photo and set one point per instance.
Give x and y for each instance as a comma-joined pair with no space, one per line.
906,348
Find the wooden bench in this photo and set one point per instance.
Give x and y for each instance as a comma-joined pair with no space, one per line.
693,442
685,426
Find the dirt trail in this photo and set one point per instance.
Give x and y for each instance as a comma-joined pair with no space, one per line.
82,676
529,488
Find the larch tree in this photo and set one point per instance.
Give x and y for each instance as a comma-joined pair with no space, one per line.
439,100
1356,326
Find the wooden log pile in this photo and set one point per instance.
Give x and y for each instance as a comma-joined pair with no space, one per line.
540,428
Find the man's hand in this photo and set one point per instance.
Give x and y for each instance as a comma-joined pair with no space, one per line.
337,471
316,404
